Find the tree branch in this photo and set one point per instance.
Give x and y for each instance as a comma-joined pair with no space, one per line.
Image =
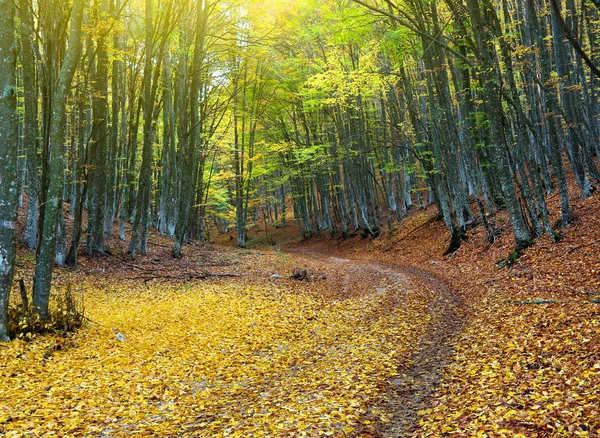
572,39
408,25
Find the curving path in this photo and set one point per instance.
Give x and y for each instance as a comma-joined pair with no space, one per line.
411,390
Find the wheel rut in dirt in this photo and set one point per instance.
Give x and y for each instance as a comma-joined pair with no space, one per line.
411,390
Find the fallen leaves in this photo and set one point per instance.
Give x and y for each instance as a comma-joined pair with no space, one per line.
276,357
213,359
528,361
530,373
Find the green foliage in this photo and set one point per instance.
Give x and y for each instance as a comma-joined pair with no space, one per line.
399,44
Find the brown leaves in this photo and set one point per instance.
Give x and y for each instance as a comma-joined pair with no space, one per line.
528,361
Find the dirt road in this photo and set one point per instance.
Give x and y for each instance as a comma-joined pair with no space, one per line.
417,377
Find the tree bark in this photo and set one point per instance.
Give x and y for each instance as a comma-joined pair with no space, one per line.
47,247
193,136
494,111
8,159
30,125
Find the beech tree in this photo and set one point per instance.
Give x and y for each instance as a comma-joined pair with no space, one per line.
30,121
8,154
53,197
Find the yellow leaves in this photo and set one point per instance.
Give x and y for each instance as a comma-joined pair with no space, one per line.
510,414
219,359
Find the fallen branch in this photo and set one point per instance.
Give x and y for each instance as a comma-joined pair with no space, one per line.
141,268
530,301
583,245
159,244
219,264
132,265
24,297
542,301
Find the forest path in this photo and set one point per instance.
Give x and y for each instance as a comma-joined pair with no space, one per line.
411,389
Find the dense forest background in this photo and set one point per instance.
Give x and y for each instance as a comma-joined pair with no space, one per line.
196,116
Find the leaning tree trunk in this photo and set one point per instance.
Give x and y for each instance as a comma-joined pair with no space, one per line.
47,247
8,159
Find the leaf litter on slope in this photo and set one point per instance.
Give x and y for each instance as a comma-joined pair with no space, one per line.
527,363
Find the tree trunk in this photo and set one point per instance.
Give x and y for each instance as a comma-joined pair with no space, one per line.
30,126
143,195
100,131
47,247
193,138
8,159
115,117
494,111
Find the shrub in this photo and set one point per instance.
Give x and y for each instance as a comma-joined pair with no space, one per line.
67,314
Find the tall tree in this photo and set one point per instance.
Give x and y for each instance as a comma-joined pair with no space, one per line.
193,131
47,248
8,157
141,220
100,136
30,123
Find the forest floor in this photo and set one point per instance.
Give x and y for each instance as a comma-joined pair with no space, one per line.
410,389
385,338
225,343
526,361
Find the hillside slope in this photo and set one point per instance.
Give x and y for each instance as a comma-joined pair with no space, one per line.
527,362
